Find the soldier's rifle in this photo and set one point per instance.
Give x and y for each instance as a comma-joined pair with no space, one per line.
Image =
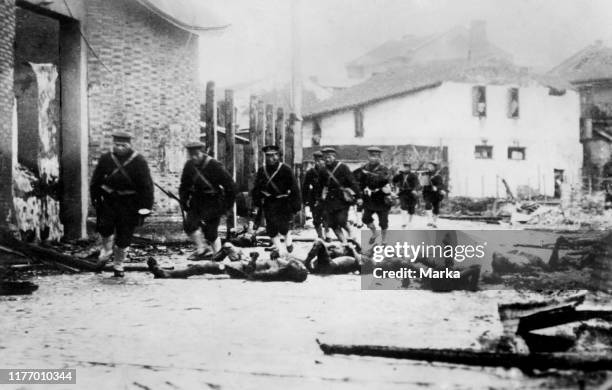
171,195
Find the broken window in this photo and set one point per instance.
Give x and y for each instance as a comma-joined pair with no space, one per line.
479,101
483,152
358,122
513,103
516,153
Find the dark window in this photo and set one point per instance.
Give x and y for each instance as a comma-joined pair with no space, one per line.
516,153
479,101
483,152
316,132
513,103
358,122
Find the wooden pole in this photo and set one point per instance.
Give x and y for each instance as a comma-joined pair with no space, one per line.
211,119
289,158
252,150
296,83
230,143
259,130
279,132
270,123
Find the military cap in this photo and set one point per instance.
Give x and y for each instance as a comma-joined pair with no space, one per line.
270,149
122,135
195,145
317,154
374,149
328,149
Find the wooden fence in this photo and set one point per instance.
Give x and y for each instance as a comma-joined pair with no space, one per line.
240,149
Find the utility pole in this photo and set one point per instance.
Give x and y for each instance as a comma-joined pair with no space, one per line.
296,80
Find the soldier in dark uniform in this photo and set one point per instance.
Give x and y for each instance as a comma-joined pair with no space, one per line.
277,192
433,193
374,184
122,194
312,189
207,192
340,191
407,183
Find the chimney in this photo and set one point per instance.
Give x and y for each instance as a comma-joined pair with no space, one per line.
478,38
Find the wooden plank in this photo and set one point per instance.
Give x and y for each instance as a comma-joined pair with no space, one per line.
259,130
279,131
252,150
270,123
528,362
46,255
230,148
289,140
559,316
211,119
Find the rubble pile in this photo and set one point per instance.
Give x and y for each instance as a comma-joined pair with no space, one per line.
584,210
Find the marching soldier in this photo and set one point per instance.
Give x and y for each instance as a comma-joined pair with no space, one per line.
207,192
311,193
407,183
122,194
374,184
340,191
433,193
277,192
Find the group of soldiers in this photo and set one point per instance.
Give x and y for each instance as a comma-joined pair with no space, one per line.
330,189
122,193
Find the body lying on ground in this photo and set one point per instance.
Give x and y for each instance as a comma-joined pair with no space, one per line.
333,258
275,269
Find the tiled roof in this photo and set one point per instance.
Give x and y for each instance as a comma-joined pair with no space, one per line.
415,78
591,63
391,49
191,15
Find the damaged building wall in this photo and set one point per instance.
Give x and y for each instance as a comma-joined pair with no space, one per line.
36,195
144,82
7,36
36,191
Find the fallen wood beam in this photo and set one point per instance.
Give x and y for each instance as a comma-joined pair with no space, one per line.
559,316
131,268
44,254
540,361
471,218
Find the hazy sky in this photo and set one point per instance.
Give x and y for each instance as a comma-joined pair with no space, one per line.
539,33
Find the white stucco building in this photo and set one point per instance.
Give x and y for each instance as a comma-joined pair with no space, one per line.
489,122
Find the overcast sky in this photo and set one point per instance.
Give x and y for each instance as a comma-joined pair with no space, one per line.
539,33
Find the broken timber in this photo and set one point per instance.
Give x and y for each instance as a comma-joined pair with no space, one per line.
46,255
527,362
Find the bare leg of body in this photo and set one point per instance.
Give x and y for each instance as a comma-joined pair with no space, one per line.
205,267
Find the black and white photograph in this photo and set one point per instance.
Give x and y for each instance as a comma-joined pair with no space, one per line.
305,194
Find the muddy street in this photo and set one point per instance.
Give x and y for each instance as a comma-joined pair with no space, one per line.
213,332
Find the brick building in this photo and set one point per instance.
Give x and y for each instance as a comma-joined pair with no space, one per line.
74,71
